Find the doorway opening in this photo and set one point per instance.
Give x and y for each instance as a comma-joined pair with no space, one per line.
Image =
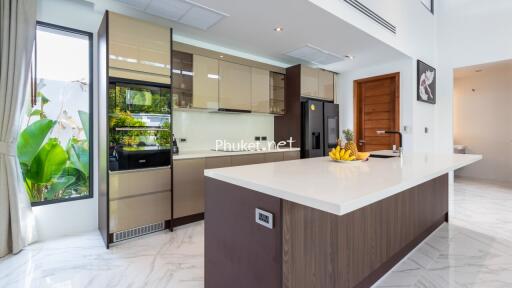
482,99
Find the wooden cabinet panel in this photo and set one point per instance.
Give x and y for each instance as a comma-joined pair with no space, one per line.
188,187
260,90
135,183
273,157
325,85
139,47
308,81
138,211
247,159
206,83
234,86
218,162
291,155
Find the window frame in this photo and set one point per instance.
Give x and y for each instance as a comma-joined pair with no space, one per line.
90,37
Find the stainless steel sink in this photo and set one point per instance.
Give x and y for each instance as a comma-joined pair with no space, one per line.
382,156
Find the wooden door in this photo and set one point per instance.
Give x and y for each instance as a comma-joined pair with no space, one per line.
376,107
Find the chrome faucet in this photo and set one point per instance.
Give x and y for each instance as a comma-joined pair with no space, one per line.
400,150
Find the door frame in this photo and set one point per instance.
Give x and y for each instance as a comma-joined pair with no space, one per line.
358,127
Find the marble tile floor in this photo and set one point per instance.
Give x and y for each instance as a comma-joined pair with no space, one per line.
474,250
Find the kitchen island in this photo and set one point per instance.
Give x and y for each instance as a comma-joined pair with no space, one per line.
319,223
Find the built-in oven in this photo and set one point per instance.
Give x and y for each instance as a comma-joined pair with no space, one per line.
140,134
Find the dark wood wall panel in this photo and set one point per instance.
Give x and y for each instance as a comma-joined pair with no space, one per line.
238,251
354,250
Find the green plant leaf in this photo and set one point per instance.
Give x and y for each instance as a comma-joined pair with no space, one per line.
80,184
84,118
31,139
35,112
44,99
48,163
57,186
78,154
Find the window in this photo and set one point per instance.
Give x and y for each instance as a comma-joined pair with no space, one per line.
53,146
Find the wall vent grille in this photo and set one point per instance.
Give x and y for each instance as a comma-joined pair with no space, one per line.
138,231
372,15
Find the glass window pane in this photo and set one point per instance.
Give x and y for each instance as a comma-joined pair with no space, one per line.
57,167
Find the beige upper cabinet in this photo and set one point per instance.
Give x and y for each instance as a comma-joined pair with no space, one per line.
234,86
260,90
326,85
139,50
206,83
308,81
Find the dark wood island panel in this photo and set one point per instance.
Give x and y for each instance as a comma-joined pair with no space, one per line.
324,250
239,253
309,248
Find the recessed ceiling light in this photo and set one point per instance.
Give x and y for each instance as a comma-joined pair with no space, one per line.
278,29
350,57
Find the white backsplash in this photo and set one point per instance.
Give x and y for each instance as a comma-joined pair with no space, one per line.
202,129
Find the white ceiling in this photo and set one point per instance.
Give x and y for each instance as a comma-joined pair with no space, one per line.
249,28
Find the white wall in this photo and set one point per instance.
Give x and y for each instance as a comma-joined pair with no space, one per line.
482,120
201,129
416,26
77,216
471,32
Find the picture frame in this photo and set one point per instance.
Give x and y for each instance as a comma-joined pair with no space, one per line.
426,82
429,4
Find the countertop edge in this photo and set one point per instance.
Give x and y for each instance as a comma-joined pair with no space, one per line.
334,208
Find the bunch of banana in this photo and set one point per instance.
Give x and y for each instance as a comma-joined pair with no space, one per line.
341,154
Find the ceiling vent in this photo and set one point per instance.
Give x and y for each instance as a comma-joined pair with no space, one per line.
372,15
182,11
315,55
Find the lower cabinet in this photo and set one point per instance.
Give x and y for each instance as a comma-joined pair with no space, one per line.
273,157
188,187
189,177
138,198
131,212
247,159
291,155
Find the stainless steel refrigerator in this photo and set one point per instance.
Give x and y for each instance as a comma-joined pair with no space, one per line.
320,128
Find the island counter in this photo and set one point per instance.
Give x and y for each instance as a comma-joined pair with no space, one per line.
318,223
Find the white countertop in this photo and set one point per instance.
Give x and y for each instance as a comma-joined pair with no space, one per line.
337,187
212,153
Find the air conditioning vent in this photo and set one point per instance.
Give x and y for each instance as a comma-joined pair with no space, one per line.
315,55
139,231
372,15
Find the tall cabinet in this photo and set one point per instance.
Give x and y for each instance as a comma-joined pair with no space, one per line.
138,201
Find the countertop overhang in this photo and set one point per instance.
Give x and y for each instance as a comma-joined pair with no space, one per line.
341,188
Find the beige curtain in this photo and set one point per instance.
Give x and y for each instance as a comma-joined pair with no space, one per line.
17,34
